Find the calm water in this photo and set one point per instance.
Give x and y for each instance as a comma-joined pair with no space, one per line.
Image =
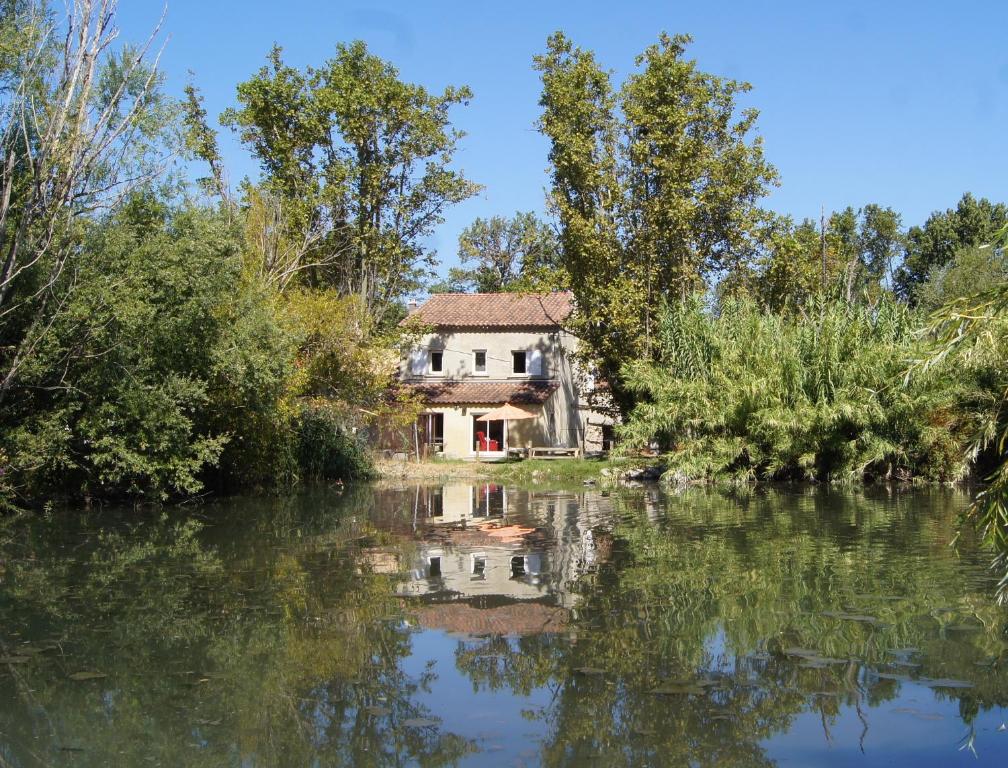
474,625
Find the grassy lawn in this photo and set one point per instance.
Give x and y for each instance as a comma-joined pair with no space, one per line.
513,470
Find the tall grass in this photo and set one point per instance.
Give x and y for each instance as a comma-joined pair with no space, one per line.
972,331
743,393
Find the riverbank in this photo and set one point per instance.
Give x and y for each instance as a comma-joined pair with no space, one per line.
587,470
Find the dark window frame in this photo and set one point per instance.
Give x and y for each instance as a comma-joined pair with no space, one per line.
516,355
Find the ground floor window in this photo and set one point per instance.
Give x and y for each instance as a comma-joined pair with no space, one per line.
608,437
489,501
432,501
488,435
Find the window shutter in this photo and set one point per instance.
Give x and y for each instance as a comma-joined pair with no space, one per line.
535,364
418,362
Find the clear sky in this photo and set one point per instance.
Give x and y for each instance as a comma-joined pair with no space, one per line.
897,103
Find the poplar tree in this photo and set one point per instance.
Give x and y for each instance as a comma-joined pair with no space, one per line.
656,186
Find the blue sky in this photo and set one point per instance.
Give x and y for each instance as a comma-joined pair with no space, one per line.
897,103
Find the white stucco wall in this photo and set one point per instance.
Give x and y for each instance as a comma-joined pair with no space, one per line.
563,418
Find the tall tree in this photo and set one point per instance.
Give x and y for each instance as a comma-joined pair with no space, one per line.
787,270
971,223
508,254
971,272
80,125
851,259
865,241
656,187
356,164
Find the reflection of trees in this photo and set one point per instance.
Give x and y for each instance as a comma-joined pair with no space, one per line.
263,641
267,638
744,612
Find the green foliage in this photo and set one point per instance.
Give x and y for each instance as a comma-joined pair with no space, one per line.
931,246
327,449
816,396
341,355
795,264
971,272
164,348
656,188
786,271
358,162
158,358
518,254
972,330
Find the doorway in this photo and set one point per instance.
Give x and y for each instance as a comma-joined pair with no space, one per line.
430,431
488,436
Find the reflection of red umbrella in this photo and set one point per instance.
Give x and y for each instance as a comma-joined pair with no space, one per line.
506,533
505,413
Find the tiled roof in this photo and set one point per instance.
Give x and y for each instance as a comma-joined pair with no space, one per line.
495,310
485,392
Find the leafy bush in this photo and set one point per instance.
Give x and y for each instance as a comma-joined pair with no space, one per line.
159,360
818,396
327,449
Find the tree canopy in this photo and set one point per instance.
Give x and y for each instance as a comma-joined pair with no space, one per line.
656,186
935,243
356,163
520,254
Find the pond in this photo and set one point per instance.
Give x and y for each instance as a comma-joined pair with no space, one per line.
472,624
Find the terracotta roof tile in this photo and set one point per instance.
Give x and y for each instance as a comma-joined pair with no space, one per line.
495,310
485,392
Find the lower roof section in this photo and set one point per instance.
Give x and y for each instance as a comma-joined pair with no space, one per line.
484,392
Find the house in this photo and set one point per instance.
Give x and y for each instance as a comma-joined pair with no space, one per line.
486,350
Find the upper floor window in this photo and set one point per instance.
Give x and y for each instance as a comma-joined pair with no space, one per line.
527,362
436,362
519,361
479,361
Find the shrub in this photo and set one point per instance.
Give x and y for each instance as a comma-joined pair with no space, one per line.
327,448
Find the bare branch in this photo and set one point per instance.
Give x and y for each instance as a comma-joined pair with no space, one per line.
63,151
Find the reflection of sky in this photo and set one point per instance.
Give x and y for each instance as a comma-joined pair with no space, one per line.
912,729
915,727
930,735
492,719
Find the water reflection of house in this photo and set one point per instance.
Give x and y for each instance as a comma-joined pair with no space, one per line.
459,502
490,557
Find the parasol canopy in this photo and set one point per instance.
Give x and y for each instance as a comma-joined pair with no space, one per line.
508,412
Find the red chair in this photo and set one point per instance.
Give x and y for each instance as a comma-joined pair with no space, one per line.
484,444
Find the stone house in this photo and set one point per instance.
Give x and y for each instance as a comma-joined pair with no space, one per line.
486,350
